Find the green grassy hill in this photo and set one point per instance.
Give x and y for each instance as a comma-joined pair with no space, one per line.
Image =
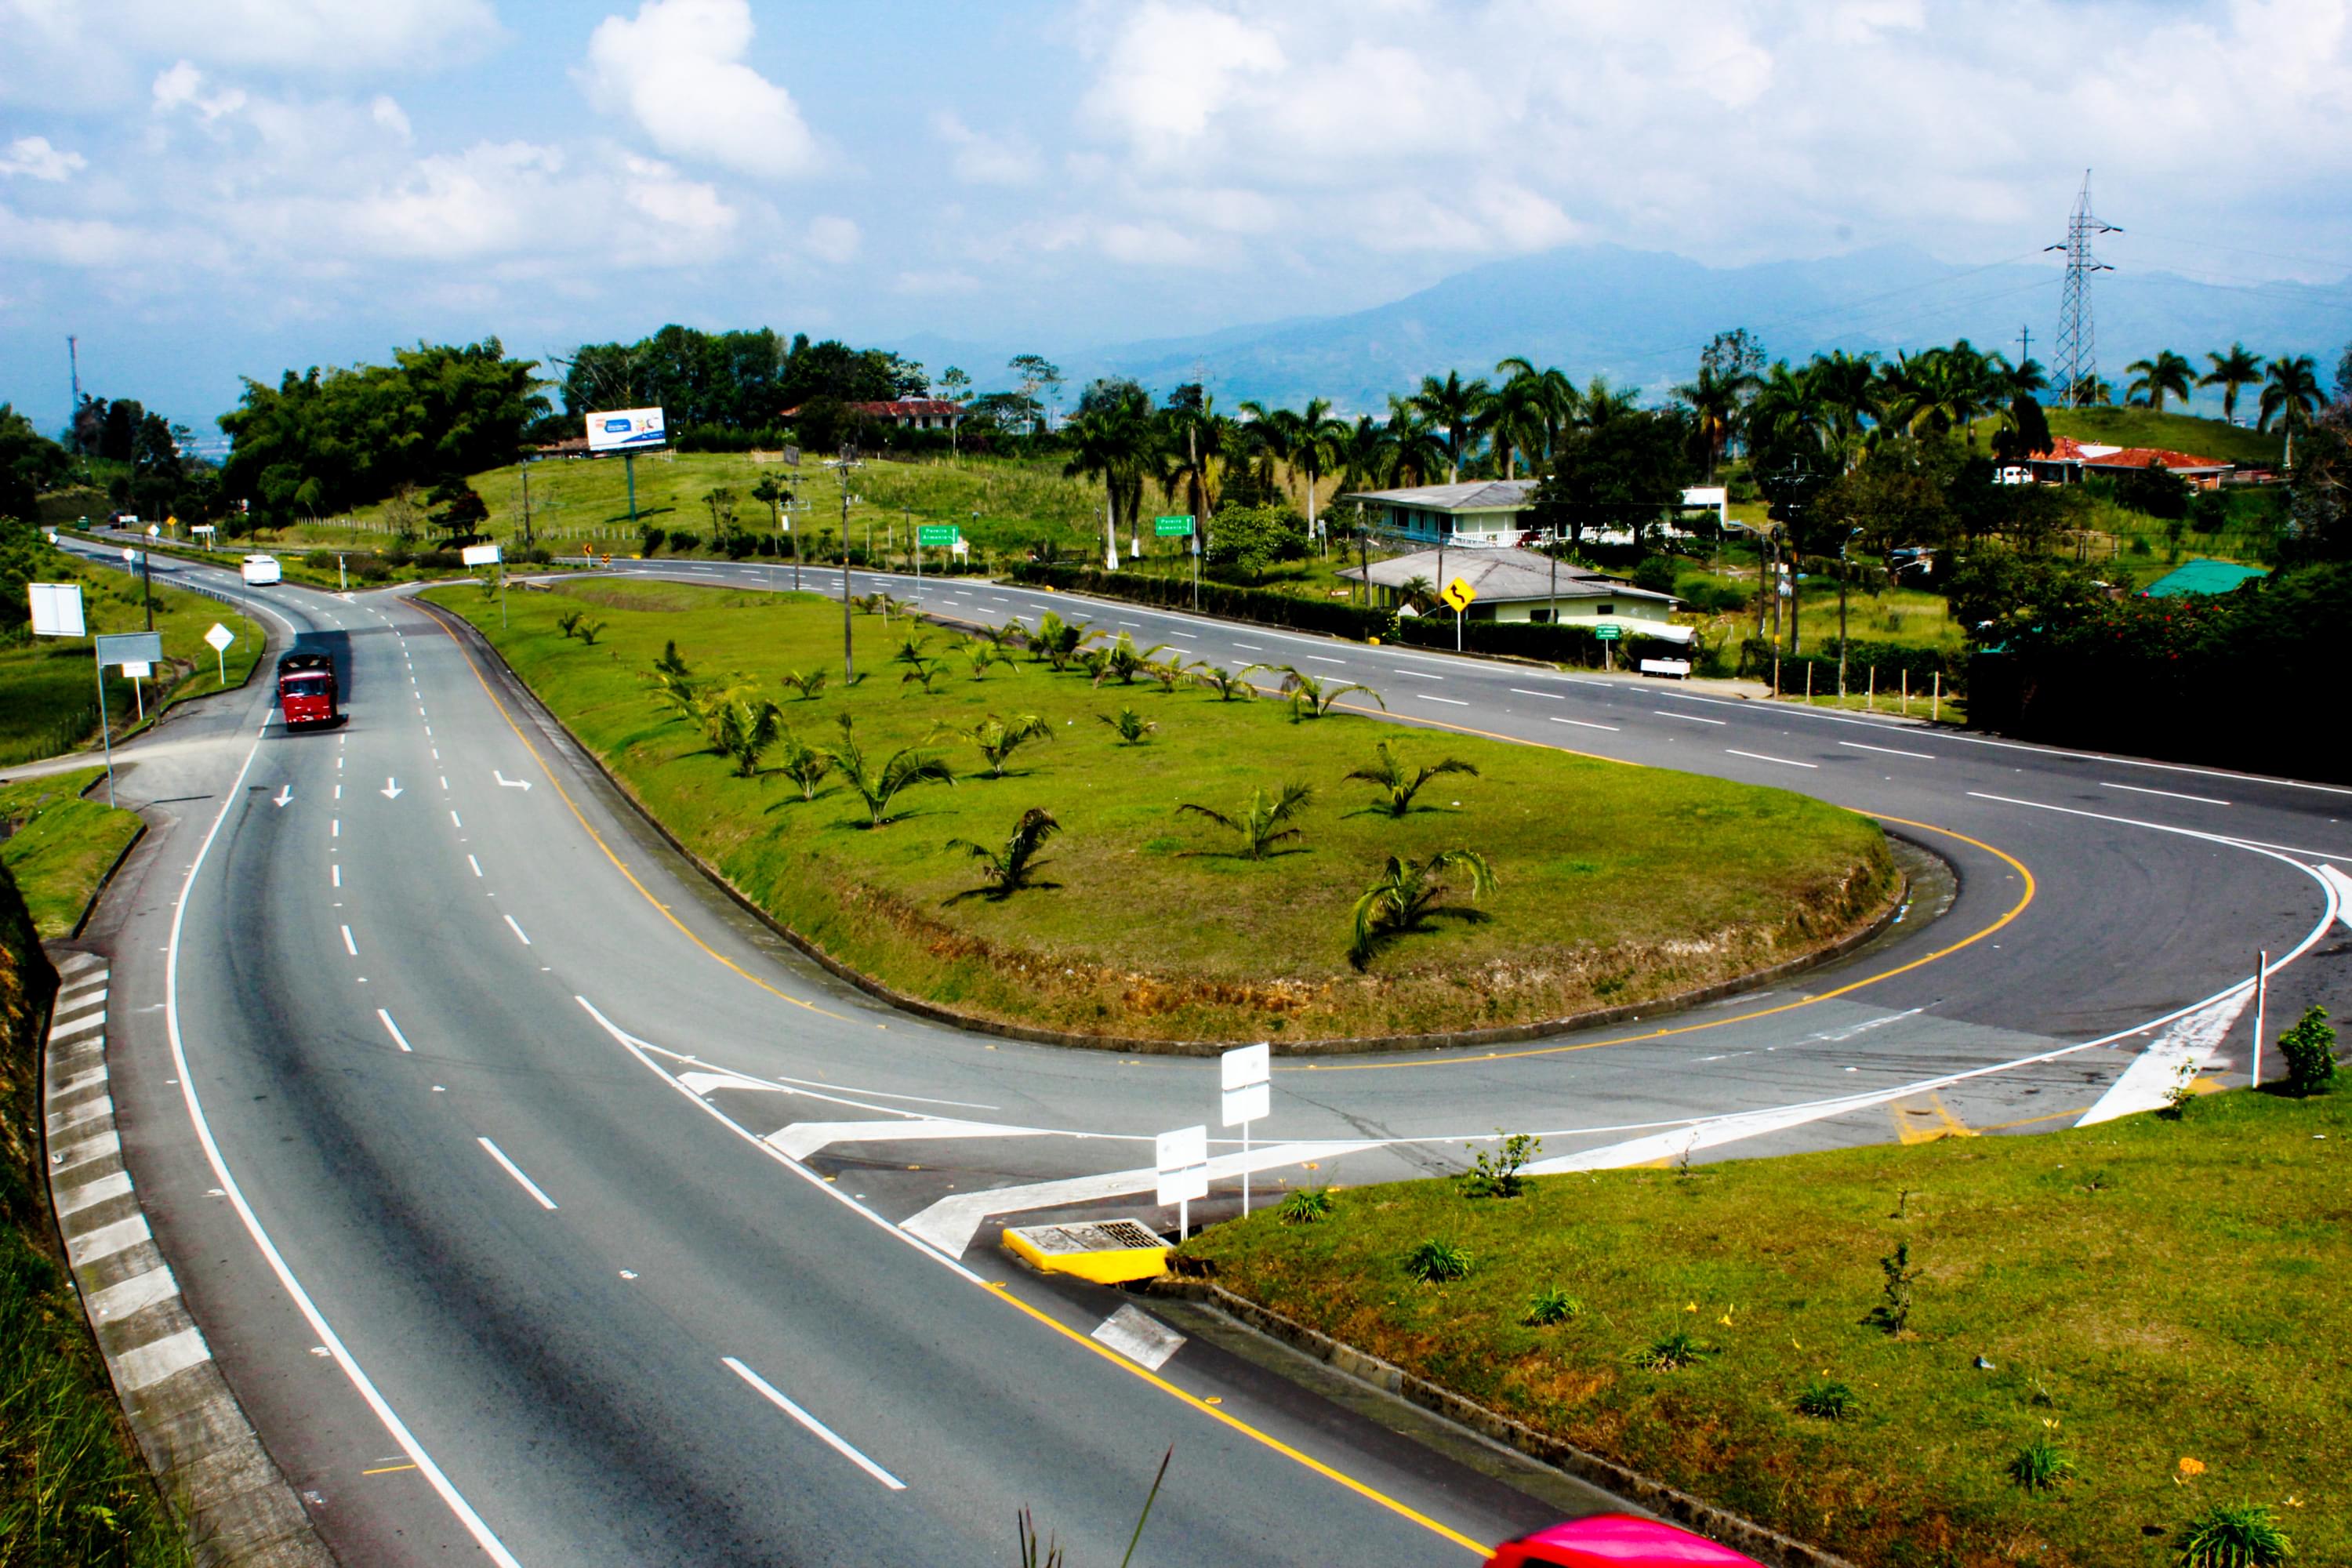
2175,432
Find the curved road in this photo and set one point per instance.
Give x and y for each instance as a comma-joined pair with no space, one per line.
541,1206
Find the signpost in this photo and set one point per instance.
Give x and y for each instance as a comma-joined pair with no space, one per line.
220,637
1607,633
1183,1157
489,556
1458,593
624,430
56,610
124,649
934,536
1248,1074
1181,527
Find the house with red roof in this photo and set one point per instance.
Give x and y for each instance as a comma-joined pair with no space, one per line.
906,413
2067,461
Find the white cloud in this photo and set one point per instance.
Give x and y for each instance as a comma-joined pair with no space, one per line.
34,159
833,239
387,113
983,160
948,280
182,87
676,71
334,36
1174,70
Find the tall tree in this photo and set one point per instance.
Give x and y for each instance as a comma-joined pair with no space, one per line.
2232,370
1547,395
2290,393
1113,438
1715,400
1454,407
2168,374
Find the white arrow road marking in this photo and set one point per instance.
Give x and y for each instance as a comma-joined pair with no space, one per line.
391,789
285,794
950,1224
506,782
2185,1049
2343,886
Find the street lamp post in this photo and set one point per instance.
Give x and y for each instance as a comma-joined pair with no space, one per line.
1845,571
846,461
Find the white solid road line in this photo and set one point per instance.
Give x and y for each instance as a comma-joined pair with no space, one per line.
1761,757
833,1440
1891,752
484,1537
516,929
515,1170
2167,793
397,1038
348,945
1686,718
1587,724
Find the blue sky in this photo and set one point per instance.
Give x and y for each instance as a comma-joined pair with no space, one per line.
203,189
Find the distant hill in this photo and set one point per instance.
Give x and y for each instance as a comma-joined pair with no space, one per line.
2173,432
1640,317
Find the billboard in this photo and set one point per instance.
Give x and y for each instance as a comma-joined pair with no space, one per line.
625,429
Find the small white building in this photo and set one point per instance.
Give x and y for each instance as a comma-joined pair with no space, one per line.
1515,585
1490,513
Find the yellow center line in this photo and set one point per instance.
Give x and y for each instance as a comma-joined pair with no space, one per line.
387,1470
666,914
1244,1428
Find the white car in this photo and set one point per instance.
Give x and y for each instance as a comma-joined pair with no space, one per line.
261,569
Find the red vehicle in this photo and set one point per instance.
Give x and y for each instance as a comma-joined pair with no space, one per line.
1615,1541
306,690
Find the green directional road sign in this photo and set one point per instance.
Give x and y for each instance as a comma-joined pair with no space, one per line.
942,534
1606,632
1172,527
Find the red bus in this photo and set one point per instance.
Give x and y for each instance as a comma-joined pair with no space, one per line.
306,690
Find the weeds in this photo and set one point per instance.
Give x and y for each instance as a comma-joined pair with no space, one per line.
1548,1306
2042,1464
1826,1399
1495,1174
1307,1205
1893,1314
1670,1351
1437,1262
2234,1535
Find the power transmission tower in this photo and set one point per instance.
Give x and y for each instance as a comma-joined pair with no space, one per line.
2078,355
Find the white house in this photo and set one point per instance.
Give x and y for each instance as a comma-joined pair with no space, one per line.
1515,585
1485,514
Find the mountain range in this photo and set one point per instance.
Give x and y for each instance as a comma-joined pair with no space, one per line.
1641,318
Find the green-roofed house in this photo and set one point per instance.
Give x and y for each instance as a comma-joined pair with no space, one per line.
2200,576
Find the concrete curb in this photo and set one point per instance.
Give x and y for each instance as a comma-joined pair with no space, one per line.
1764,1544
1507,1034
236,1505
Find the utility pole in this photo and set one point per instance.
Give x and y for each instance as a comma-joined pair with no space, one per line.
1843,573
73,419
2024,343
2078,358
842,465
526,506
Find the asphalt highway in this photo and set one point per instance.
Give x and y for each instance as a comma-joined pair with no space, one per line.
543,1207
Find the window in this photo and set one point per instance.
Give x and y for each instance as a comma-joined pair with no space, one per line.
1541,618
1606,610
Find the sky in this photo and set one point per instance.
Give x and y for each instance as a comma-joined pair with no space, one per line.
201,190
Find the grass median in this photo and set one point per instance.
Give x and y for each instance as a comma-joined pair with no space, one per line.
59,845
1614,884
2146,1315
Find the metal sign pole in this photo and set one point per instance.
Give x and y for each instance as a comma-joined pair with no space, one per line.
105,728
2262,997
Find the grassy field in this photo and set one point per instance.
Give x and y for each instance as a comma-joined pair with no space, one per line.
58,844
72,1488
576,503
1616,884
2163,1300
49,687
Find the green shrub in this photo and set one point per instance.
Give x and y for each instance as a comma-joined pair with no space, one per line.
2042,1464
1671,1351
2310,1051
1550,1305
1656,573
2234,1535
1436,1261
1307,1205
1826,1400
1496,1173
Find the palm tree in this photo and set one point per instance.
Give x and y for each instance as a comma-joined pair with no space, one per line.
1454,407
1195,440
1417,450
1228,683
2231,371
981,653
1403,898
1715,400
1260,823
1058,641
807,683
1168,671
1368,455
1845,388
1600,403
2168,375
2290,392
1114,437
877,784
1008,871
1134,729
1549,393
1316,447
674,685
998,739
1310,699
743,730
1387,773
1123,660
802,764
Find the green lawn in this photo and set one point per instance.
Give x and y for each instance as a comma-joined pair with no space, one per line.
48,686
2145,1294
2174,432
1617,884
59,844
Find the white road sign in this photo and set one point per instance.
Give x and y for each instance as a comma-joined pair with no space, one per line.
220,637
479,555
56,610
1183,1161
